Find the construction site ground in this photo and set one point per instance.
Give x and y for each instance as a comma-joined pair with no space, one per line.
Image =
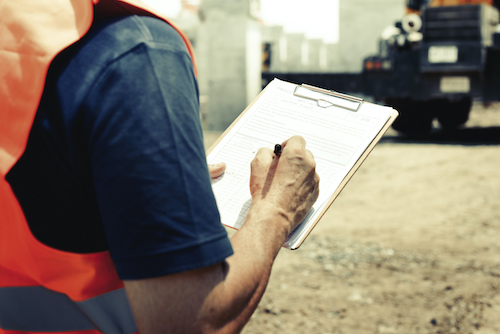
411,245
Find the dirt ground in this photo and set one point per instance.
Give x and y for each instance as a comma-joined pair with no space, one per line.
411,245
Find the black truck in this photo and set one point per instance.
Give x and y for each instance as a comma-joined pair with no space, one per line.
435,64
430,65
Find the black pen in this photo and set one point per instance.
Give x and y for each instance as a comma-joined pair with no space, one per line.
277,149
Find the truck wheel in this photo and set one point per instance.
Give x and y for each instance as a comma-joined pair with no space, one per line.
415,117
452,114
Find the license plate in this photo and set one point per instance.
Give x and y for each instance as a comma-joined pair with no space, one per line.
443,54
455,85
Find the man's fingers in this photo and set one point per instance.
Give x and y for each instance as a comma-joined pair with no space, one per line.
297,145
310,157
216,170
294,141
264,155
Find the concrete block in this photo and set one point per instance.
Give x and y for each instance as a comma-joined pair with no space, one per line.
229,57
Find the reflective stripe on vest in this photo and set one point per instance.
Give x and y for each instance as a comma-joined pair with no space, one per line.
37,309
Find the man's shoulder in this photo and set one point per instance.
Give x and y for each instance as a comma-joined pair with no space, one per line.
76,70
111,38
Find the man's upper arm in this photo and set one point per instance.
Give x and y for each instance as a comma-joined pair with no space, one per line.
148,163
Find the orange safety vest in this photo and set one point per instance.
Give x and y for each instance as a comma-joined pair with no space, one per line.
43,289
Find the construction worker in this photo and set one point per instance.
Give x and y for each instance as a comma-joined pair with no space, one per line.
107,219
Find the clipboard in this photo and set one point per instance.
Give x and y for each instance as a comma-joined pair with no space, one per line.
325,100
328,98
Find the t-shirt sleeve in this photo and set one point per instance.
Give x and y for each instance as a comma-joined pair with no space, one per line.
149,167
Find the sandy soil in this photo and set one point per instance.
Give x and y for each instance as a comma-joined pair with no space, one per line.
411,245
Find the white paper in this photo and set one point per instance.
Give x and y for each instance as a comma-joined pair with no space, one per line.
336,137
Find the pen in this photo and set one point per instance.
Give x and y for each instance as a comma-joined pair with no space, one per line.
277,149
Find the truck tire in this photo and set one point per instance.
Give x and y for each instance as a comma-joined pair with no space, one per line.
453,114
415,117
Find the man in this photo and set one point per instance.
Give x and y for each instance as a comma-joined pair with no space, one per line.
113,190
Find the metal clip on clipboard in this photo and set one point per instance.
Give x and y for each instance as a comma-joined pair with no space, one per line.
327,98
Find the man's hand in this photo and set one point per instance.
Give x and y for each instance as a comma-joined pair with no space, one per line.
216,170
288,182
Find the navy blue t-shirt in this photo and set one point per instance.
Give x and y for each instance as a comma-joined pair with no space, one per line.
115,158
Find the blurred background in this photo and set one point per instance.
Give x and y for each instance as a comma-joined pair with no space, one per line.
236,41
429,59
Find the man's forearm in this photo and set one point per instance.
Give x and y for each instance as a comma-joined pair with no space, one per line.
219,298
255,245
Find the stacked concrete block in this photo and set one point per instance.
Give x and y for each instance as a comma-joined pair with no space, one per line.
317,57
333,63
229,49
361,23
229,56
297,52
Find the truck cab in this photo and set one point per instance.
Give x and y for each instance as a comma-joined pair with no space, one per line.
433,63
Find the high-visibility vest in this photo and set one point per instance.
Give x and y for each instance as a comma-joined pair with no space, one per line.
43,289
